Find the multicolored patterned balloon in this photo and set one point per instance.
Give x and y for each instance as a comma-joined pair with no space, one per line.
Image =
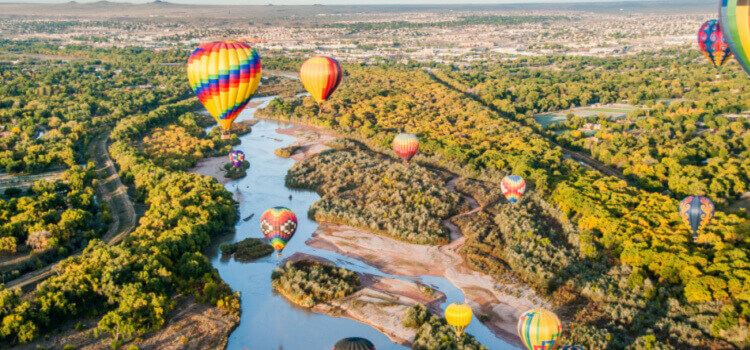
572,347
278,224
513,187
696,212
237,157
321,76
539,329
224,75
712,44
406,146
735,24
354,344
458,316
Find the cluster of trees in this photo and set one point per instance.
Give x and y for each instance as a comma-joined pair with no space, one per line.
130,286
687,291
308,283
246,250
66,101
680,140
434,333
173,147
361,188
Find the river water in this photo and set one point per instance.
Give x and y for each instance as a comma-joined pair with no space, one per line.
269,321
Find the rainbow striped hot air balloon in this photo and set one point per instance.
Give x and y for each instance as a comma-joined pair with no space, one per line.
321,76
539,329
224,75
696,212
354,344
735,24
712,44
406,146
237,157
459,317
513,187
278,224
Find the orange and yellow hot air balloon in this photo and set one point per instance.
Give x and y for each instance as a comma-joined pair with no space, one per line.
406,146
224,75
459,317
321,76
539,329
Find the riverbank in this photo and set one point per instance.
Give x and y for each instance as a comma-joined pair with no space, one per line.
310,140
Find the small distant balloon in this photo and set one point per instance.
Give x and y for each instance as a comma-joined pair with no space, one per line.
712,44
321,76
278,224
406,146
354,343
696,212
459,317
224,75
237,157
513,187
539,329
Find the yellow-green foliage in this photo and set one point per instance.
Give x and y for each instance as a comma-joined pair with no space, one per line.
308,282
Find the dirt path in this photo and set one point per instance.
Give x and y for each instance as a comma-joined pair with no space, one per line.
457,237
112,191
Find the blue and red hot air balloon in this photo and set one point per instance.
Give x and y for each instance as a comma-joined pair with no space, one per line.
237,157
278,224
513,187
696,212
712,43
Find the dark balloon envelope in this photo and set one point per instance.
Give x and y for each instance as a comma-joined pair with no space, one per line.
354,344
696,212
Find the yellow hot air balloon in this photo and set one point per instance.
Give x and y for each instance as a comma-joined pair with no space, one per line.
320,76
224,75
458,316
539,329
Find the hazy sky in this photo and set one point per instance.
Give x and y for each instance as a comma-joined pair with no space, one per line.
331,2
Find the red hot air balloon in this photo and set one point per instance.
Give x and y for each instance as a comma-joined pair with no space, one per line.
406,146
321,76
278,224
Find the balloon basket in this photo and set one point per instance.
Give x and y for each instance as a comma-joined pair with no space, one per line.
225,135
278,254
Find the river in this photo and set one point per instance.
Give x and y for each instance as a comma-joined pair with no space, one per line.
269,321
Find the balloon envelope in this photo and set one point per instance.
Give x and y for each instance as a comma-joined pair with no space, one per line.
458,316
278,224
236,157
320,76
354,344
712,44
735,24
539,329
513,187
572,347
224,75
406,146
696,212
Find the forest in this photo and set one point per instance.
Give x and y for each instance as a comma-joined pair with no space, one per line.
377,193
246,250
619,234
308,282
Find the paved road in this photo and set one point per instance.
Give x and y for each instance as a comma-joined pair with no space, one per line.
110,190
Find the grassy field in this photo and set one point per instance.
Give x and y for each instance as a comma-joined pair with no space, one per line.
613,112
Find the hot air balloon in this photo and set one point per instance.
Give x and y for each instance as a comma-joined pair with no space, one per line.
321,76
539,329
354,344
224,75
458,316
513,187
572,347
712,44
237,157
406,146
278,224
735,24
696,212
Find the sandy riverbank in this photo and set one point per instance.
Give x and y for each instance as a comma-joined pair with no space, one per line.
309,139
214,167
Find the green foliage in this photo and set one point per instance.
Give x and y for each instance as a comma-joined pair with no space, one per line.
434,333
377,193
308,283
233,172
247,249
285,152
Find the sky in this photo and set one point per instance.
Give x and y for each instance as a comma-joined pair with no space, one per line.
328,2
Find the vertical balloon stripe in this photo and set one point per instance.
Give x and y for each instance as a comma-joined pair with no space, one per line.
320,76
734,24
539,329
406,146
